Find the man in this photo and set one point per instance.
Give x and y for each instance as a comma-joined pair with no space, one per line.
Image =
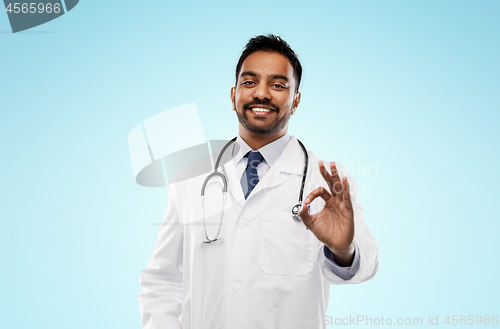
265,269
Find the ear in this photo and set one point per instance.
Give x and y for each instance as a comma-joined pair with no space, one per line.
296,102
233,94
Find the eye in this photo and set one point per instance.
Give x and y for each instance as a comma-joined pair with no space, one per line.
248,83
277,85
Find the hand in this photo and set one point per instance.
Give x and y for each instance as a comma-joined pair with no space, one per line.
334,224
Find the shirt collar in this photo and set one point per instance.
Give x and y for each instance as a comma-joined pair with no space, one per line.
271,152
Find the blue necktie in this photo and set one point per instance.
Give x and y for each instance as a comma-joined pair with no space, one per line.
254,158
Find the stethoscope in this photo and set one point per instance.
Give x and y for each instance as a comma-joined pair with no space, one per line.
295,209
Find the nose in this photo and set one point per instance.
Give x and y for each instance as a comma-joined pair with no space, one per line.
262,92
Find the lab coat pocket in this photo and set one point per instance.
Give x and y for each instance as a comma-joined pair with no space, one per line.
286,246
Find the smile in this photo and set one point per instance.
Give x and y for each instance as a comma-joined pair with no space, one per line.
260,109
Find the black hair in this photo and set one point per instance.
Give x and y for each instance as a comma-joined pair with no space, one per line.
271,43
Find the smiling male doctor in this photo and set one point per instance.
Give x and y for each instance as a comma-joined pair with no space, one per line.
267,270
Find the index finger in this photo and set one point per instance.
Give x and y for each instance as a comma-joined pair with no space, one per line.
333,180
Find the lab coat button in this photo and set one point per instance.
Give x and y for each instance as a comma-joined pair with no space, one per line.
243,223
237,286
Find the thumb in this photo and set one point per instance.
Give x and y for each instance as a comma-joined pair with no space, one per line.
304,214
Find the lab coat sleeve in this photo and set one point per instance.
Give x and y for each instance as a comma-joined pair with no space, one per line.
160,300
345,273
365,243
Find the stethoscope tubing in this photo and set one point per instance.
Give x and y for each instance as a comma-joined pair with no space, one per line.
295,209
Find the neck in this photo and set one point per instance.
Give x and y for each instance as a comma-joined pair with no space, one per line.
257,141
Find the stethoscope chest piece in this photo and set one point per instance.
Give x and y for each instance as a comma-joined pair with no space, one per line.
295,212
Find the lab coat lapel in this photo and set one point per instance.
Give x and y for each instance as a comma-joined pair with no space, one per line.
234,188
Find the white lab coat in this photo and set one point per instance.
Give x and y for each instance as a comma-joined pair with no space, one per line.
267,271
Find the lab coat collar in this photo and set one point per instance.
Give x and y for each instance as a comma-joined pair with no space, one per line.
291,161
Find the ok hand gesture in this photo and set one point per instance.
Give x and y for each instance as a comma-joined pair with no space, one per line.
334,224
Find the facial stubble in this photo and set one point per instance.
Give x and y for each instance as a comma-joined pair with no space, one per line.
269,129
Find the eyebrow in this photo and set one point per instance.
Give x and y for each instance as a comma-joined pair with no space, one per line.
272,76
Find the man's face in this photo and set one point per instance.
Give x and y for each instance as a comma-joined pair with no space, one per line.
264,97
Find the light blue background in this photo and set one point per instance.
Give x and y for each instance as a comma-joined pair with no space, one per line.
409,86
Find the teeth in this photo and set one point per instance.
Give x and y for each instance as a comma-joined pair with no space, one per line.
258,109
